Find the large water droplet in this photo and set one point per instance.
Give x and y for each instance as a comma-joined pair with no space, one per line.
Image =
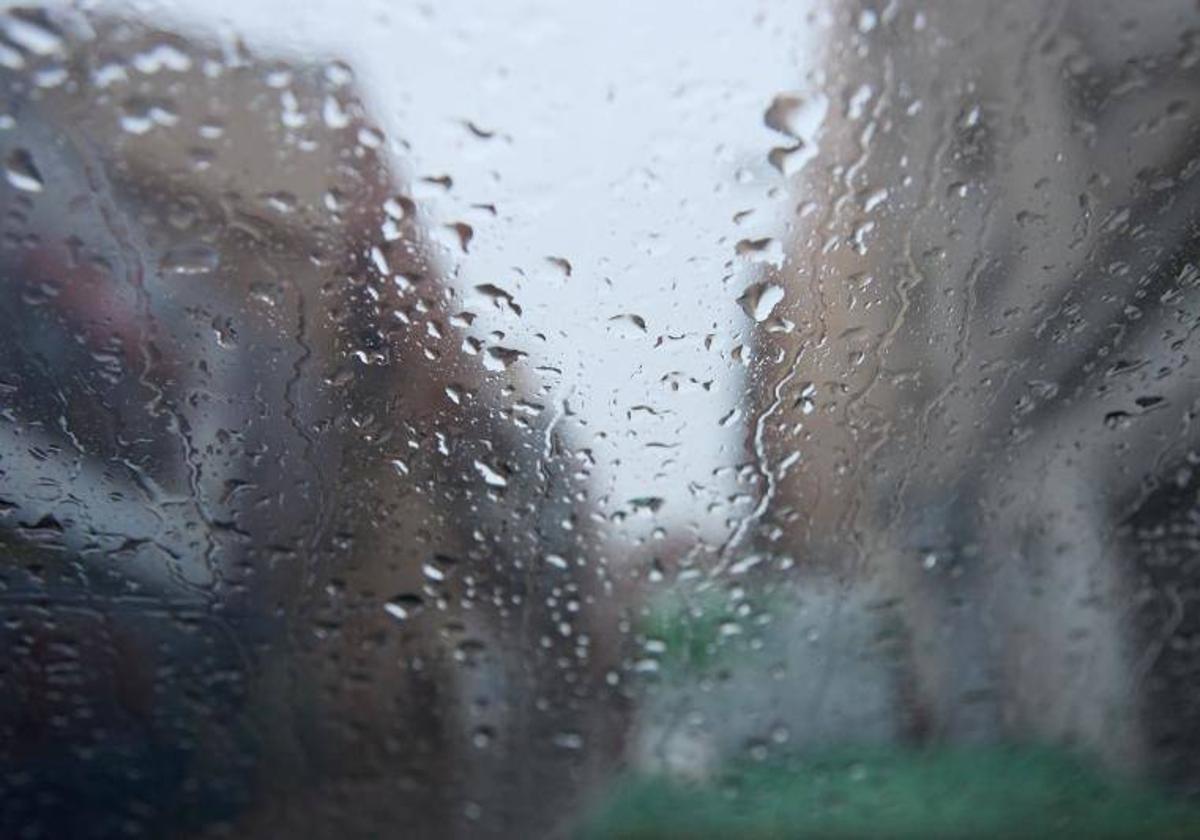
760,299
795,115
22,173
499,298
31,31
501,358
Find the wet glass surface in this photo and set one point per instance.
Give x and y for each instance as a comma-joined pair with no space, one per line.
601,419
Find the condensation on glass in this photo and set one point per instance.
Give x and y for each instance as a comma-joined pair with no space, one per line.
606,419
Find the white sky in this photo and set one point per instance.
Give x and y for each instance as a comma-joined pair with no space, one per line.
621,129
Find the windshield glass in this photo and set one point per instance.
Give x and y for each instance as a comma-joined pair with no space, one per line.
604,419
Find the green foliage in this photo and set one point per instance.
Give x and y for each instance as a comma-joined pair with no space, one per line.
690,630
691,626
978,792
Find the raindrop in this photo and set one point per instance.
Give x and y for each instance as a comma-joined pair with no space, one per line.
443,182
1117,420
403,607
482,134
31,31
806,402
788,160
796,116
561,264
766,250
22,173
334,113
139,116
399,207
569,740
491,477
497,359
650,503
162,57
499,298
760,299
636,321
483,737
338,73
191,258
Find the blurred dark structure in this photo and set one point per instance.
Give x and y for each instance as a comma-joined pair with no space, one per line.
984,361
253,581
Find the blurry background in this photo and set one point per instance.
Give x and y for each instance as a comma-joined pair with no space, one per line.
691,419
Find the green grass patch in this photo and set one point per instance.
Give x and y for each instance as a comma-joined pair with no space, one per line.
962,792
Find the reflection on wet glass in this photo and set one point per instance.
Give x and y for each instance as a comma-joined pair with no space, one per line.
599,419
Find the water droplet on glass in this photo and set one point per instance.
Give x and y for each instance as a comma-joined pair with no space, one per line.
766,250
334,113
636,322
31,31
162,57
483,737
139,116
21,171
561,264
788,160
760,299
404,606
498,297
796,116
501,358
491,477
463,234
191,258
